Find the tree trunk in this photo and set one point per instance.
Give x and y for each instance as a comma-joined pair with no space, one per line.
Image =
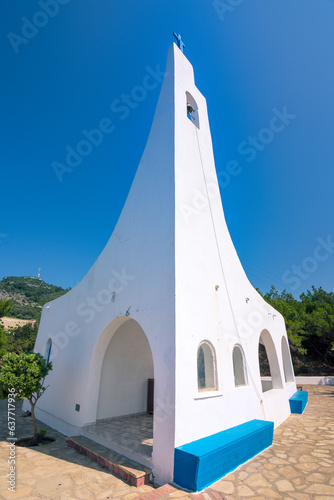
34,440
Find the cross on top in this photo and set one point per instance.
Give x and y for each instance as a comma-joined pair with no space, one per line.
179,41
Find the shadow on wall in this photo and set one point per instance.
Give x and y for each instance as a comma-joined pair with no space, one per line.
326,381
321,380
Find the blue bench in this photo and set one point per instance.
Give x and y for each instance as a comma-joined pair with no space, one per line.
202,462
298,402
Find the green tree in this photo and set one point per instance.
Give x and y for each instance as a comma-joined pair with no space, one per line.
309,320
318,316
22,338
24,376
5,307
3,342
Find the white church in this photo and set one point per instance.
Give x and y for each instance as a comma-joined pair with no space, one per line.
168,301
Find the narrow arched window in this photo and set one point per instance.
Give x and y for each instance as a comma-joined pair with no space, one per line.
206,367
238,367
287,364
47,351
270,372
192,109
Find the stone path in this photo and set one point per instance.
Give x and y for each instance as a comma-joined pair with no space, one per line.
299,465
56,471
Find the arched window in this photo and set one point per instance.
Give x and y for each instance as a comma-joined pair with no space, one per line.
47,351
192,109
268,363
287,364
206,367
238,367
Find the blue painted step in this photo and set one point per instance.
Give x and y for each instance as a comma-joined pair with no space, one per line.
298,402
202,462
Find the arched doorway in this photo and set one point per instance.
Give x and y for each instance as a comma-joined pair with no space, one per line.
287,363
268,363
121,365
127,366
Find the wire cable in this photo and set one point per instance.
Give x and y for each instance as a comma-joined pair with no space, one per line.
224,277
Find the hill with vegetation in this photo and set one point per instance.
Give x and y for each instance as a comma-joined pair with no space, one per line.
28,295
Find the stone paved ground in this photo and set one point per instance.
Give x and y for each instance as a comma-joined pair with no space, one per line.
299,465
56,471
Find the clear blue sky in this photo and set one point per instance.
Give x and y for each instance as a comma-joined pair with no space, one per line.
62,77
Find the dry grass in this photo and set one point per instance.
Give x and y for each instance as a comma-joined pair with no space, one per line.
9,323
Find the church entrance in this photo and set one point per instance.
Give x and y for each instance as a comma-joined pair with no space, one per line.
127,366
122,419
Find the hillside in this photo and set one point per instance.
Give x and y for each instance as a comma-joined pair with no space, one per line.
29,294
12,323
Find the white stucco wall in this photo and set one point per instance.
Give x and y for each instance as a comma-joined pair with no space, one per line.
322,380
133,275
232,313
170,272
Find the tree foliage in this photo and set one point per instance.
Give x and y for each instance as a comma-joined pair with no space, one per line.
3,342
5,307
25,374
309,320
22,338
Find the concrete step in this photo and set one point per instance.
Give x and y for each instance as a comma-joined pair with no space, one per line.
119,446
127,469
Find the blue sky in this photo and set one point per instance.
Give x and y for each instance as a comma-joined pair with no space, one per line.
64,63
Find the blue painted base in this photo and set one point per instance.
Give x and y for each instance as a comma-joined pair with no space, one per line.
201,463
298,402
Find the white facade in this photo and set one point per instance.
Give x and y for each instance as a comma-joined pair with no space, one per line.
167,288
